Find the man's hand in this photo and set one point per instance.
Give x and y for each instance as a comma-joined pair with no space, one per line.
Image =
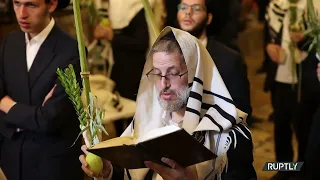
49,95
273,51
107,166
318,71
296,36
103,32
6,104
175,172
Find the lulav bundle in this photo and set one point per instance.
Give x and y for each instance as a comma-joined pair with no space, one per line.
90,117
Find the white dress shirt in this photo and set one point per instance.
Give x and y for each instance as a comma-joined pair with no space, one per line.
285,71
33,45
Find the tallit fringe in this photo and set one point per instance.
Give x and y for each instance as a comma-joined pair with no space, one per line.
246,127
221,163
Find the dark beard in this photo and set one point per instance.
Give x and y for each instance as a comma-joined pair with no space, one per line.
197,31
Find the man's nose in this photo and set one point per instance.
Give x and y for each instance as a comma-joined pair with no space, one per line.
23,12
165,83
189,10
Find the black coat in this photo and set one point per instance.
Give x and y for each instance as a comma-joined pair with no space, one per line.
130,46
225,24
313,148
43,150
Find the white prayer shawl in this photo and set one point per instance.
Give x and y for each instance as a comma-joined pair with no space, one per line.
278,18
210,107
276,11
121,12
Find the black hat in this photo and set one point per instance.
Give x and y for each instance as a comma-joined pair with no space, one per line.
62,4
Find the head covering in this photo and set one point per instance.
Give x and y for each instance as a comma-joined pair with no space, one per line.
62,4
209,109
121,12
209,97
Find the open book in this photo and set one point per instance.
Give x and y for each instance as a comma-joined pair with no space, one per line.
170,141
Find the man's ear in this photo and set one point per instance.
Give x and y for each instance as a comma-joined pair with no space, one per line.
53,5
209,18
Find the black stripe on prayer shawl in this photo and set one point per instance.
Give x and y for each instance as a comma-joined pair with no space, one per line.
133,124
149,175
219,96
206,106
221,111
277,13
244,128
198,80
128,174
276,5
193,111
214,122
103,9
195,96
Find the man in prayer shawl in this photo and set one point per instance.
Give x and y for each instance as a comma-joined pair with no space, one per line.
181,85
284,82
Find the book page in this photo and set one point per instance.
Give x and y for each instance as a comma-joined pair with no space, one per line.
159,132
118,141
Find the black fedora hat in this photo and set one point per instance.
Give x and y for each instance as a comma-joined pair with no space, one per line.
62,4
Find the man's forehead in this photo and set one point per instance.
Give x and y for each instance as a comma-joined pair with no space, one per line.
29,1
167,58
190,2
163,55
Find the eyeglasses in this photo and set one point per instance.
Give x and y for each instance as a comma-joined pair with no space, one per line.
170,77
196,8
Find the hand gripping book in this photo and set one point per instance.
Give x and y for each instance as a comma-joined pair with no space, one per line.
170,141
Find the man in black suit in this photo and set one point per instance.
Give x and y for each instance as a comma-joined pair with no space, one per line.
194,16
38,123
